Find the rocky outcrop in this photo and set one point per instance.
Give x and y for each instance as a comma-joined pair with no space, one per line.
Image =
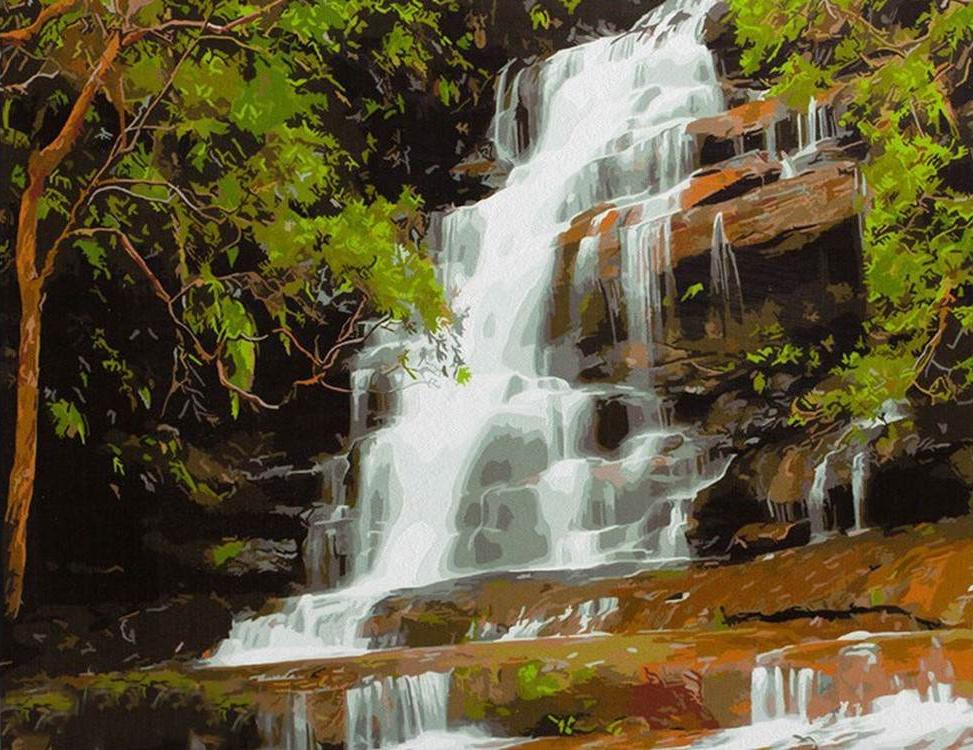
870,575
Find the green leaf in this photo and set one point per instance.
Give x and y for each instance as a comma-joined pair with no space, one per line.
68,420
692,292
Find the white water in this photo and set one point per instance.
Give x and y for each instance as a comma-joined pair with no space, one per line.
902,720
816,126
817,497
904,717
859,485
392,711
492,475
725,286
777,692
289,730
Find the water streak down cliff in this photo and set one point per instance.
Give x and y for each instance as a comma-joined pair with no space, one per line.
510,471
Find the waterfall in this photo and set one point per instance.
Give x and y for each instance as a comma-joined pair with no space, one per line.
491,475
646,266
886,710
590,612
724,274
505,133
360,382
593,611
325,547
774,696
816,125
817,496
289,730
389,712
859,485
770,139
672,541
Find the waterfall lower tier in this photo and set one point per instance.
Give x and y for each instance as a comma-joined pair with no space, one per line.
389,712
852,698
776,693
308,626
290,730
902,720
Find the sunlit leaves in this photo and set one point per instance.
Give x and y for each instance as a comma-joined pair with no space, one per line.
94,252
369,248
917,230
68,420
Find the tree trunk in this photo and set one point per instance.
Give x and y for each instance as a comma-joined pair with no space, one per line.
21,488
30,280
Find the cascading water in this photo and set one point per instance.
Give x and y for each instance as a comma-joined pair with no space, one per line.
647,280
490,475
725,286
772,696
289,730
817,496
886,711
859,486
389,712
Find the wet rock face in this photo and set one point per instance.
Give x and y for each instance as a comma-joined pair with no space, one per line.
498,518
722,508
501,529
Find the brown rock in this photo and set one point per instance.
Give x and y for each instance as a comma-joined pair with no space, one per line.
723,183
786,213
759,538
792,479
740,120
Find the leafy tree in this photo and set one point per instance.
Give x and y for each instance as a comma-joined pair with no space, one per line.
903,69
202,150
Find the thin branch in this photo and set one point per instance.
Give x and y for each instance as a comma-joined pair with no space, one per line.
118,183
21,88
122,146
208,28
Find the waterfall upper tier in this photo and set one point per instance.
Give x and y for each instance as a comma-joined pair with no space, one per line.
512,470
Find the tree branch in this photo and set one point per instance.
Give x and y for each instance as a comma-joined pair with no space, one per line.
208,28
25,34
42,163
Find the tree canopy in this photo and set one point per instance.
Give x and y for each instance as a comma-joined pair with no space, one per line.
207,152
903,72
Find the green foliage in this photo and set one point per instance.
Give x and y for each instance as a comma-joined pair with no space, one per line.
68,420
540,17
564,724
898,84
533,683
221,554
692,292
241,187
